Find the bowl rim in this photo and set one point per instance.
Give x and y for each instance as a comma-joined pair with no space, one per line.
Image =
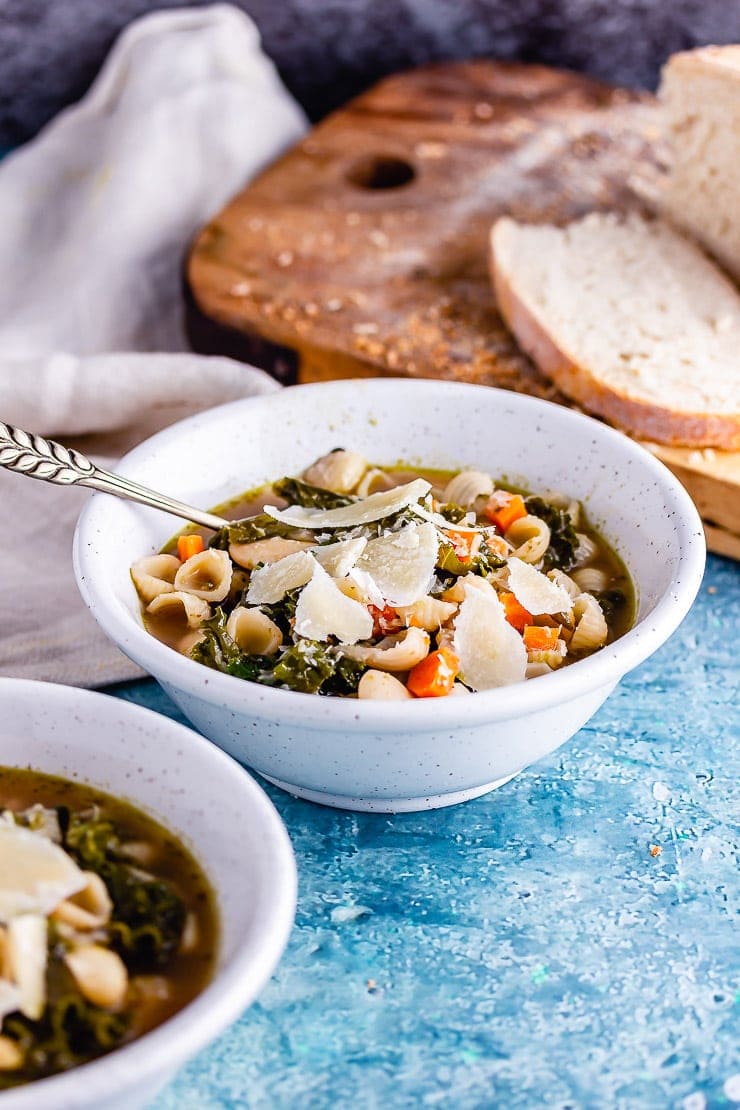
604,668
233,988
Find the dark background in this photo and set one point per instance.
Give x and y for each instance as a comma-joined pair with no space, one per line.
328,50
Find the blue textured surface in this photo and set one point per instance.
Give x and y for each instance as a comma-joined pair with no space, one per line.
525,949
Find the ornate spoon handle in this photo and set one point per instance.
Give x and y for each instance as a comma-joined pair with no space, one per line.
51,462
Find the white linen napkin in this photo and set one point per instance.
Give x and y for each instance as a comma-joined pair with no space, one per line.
98,212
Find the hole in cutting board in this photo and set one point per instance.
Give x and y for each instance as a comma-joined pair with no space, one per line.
380,171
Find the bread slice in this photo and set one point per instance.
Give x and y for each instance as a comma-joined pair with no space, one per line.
700,91
629,319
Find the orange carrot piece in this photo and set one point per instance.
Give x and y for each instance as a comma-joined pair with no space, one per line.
503,516
465,544
540,637
517,616
434,676
189,545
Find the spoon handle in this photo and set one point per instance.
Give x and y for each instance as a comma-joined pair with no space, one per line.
48,461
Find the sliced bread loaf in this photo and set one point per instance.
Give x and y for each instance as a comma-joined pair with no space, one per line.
629,319
700,91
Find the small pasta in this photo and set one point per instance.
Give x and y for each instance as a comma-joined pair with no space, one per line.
429,613
339,471
591,628
530,538
394,653
206,575
373,481
183,608
253,632
592,580
587,549
154,575
560,578
89,909
467,486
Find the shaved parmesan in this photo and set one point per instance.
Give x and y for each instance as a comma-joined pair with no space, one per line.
364,582
442,523
35,874
270,583
490,651
26,952
323,611
337,559
535,591
10,998
365,511
401,563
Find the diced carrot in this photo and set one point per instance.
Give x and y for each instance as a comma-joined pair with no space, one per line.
465,544
189,545
434,676
385,620
516,614
503,516
540,638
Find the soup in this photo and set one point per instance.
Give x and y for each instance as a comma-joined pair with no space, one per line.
108,925
360,581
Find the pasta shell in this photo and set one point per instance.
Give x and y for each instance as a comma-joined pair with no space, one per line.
253,631
587,549
154,575
591,580
181,607
467,486
530,538
373,481
591,628
393,654
428,613
89,908
206,575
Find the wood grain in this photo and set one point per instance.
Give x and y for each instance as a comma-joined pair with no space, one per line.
363,251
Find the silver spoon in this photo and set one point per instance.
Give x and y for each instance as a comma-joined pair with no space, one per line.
51,462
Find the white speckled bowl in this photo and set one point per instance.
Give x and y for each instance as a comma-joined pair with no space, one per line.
224,817
390,756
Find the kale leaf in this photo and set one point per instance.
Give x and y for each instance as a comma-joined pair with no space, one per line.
70,1031
301,493
250,528
148,916
561,553
311,668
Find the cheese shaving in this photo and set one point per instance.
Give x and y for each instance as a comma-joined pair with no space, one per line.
442,523
270,583
401,563
365,511
337,559
535,591
26,953
323,611
35,874
490,651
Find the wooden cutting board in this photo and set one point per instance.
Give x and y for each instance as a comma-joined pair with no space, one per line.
363,251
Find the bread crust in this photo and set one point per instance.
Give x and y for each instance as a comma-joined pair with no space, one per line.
642,419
